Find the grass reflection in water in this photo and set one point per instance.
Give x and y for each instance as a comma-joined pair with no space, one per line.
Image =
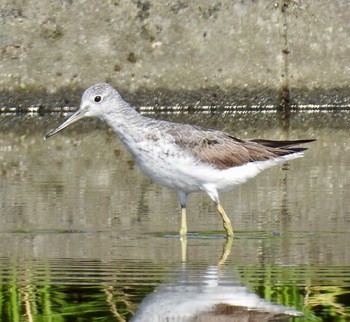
93,291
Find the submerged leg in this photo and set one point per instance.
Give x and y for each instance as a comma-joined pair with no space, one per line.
183,241
183,200
226,250
225,220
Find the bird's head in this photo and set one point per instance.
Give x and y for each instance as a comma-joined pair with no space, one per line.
97,101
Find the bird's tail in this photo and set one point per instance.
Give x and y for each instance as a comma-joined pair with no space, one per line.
283,144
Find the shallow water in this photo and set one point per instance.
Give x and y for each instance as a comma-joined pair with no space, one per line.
85,236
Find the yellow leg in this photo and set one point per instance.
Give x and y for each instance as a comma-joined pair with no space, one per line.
225,220
183,229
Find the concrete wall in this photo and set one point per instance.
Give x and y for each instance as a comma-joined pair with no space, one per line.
229,51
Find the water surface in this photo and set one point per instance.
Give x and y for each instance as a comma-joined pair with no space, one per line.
85,236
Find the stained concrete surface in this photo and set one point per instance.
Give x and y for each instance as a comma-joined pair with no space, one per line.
164,52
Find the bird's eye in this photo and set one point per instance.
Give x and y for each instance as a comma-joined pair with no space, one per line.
98,98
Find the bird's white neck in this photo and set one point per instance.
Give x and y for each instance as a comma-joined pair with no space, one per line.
127,123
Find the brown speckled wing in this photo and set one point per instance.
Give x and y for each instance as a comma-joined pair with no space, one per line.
224,151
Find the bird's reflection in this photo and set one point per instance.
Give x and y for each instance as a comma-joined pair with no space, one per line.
211,293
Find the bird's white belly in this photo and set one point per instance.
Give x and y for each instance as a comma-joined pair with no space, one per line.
180,171
173,172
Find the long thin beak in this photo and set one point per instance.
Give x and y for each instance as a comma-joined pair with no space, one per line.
79,114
